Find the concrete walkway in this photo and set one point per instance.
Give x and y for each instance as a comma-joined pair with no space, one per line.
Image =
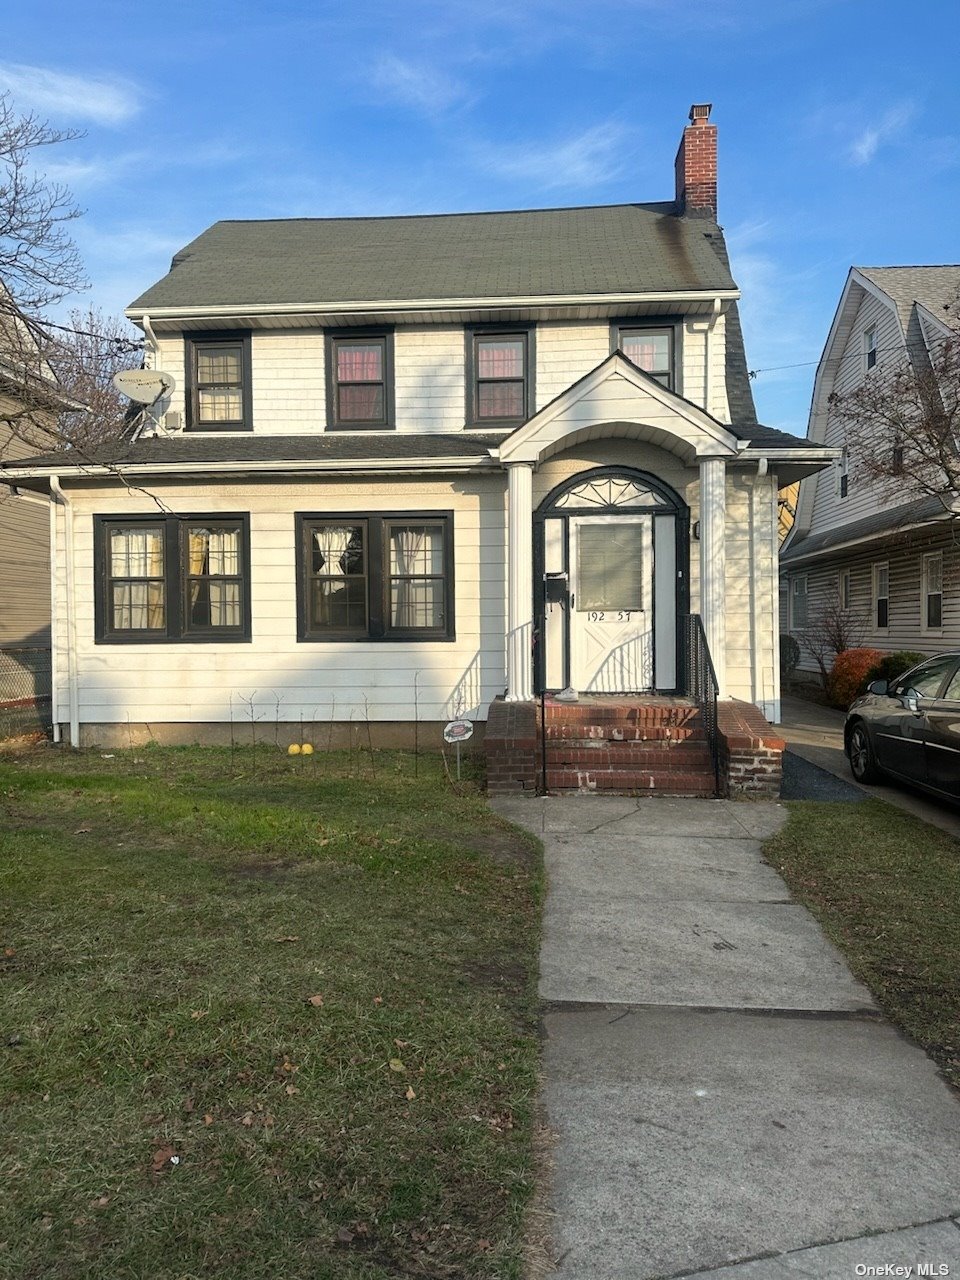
723,1093
815,733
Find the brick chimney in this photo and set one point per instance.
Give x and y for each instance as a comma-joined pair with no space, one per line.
696,165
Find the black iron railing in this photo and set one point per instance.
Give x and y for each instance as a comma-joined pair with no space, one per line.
700,683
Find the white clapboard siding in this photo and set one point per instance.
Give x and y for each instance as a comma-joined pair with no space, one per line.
289,389
209,682
24,552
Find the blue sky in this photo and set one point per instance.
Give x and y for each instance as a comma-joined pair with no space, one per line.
838,128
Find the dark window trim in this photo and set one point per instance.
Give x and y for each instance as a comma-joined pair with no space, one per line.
330,339
491,330
673,324
191,341
378,574
175,579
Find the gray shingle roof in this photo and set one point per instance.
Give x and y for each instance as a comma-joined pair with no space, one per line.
934,287
878,524
537,252
328,446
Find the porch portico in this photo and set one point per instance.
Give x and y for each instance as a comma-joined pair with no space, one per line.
618,401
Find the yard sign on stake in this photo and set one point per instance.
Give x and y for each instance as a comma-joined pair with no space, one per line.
458,731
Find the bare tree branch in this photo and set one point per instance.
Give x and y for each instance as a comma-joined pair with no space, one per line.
831,629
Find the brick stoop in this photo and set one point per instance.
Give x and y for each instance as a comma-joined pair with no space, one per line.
611,744
751,751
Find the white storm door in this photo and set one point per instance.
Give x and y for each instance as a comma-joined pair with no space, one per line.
611,614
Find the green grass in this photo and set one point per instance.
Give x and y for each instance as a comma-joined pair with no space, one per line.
886,888
167,915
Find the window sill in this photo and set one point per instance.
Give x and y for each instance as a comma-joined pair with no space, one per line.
191,639
361,426
208,429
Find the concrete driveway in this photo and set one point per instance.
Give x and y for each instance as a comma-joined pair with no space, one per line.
724,1094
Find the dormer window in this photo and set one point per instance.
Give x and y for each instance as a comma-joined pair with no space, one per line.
869,348
650,349
360,380
500,389
218,382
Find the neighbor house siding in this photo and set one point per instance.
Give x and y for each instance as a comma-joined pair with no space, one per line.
905,559
863,497
24,558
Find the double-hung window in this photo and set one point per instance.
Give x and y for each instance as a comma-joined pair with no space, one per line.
218,369
179,578
375,577
650,349
360,380
869,348
933,591
881,596
500,390
798,602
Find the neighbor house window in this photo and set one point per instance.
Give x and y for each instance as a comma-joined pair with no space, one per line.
933,591
869,348
218,383
499,376
843,486
798,603
651,350
845,589
881,596
375,577
173,578
360,380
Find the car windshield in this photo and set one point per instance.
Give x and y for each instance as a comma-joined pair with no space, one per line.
927,679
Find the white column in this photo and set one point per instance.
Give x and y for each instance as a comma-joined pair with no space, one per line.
713,561
519,581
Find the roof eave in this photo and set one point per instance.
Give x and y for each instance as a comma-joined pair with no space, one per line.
419,306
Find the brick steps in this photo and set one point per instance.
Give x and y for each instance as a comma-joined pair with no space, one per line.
583,732
683,756
687,782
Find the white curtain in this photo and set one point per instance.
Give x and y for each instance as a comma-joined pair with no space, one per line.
406,545
331,542
137,553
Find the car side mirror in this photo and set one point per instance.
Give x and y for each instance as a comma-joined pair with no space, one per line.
911,700
878,686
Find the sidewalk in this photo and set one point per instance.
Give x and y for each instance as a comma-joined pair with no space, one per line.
723,1093
815,733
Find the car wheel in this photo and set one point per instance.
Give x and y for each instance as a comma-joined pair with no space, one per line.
863,766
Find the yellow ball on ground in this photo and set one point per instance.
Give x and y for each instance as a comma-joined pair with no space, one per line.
307,749
293,749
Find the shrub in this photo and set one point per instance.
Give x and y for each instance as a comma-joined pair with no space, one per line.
851,671
789,656
892,665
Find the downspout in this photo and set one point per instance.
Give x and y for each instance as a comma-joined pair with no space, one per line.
758,591
152,340
708,357
51,506
71,610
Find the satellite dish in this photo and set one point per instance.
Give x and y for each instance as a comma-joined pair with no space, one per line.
146,386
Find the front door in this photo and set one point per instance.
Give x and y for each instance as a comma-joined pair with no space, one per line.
611,603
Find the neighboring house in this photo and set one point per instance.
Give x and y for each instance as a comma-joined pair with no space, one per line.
412,464
894,565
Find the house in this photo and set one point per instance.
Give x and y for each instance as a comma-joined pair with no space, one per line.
412,465
893,564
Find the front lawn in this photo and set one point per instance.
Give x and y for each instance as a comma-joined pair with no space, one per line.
886,888
262,1016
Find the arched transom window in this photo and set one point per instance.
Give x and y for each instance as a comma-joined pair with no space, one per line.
610,491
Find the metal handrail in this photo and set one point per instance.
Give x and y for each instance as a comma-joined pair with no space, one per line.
700,683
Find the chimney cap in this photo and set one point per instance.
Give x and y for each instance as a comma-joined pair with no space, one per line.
700,113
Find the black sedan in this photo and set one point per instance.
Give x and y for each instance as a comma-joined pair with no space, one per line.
910,728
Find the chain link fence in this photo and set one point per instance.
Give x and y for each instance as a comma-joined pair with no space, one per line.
24,691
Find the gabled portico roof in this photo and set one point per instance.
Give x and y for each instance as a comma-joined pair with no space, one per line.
618,399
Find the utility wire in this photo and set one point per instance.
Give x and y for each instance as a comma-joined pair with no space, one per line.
804,364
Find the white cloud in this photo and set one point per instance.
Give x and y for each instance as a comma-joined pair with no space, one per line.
417,85
101,99
584,159
887,128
